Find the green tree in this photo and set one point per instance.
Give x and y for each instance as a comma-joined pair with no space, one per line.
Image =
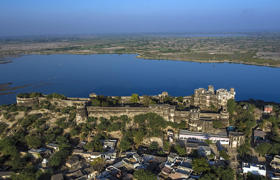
95,144
95,102
200,165
226,174
3,127
166,146
134,98
209,176
217,124
244,150
98,164
8,147
58,158
33,141
231,104
224,155
144,175
263,148
147,100
139,136
154,146
180,99
180,150
126,143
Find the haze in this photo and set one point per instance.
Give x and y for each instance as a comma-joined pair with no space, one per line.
34,17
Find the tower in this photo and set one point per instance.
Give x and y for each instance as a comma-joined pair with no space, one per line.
211,89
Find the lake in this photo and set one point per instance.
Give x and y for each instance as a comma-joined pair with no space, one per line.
79,75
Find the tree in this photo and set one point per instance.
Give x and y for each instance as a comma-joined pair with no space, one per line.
217,124
56,96
126,143
147,100
8,147
3,127
134,98
200,165
180,99
244,150
144,175
180,150
209,176
33,141
139,136
166,146
98,164
56,160
226,174
95,102
95,144
231,104
153,146
224,155
59,157
263,148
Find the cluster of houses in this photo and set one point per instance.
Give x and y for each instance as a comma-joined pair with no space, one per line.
176,167
122,165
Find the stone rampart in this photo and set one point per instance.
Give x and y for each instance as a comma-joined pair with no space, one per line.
28,102
76,102
166,111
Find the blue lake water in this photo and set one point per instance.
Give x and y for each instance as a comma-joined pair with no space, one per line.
79,75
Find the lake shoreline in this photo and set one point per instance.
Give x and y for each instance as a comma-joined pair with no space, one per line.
140,56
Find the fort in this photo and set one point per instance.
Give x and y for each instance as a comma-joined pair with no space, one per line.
200,111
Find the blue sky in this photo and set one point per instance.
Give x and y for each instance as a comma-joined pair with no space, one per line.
44,17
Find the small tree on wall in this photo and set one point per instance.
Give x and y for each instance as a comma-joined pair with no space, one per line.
134,98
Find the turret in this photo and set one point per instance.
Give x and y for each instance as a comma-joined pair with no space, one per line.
211,89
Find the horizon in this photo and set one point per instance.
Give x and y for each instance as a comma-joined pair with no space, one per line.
70,17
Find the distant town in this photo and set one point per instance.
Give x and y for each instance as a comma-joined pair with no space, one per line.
206,135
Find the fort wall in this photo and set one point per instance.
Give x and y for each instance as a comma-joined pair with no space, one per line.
196,120
166,111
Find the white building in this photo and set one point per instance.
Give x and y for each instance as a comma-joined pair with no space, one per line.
199,136
256,169
224,95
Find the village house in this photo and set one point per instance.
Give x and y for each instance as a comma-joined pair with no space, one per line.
180,172
172,157
275,163
77,175
204,151
191,146
256,169
268,109
259,136
111,172
44,163
236,139
191,136
5,174
75,162
38,153
109,144
53,146
274,175
131,163
176,168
